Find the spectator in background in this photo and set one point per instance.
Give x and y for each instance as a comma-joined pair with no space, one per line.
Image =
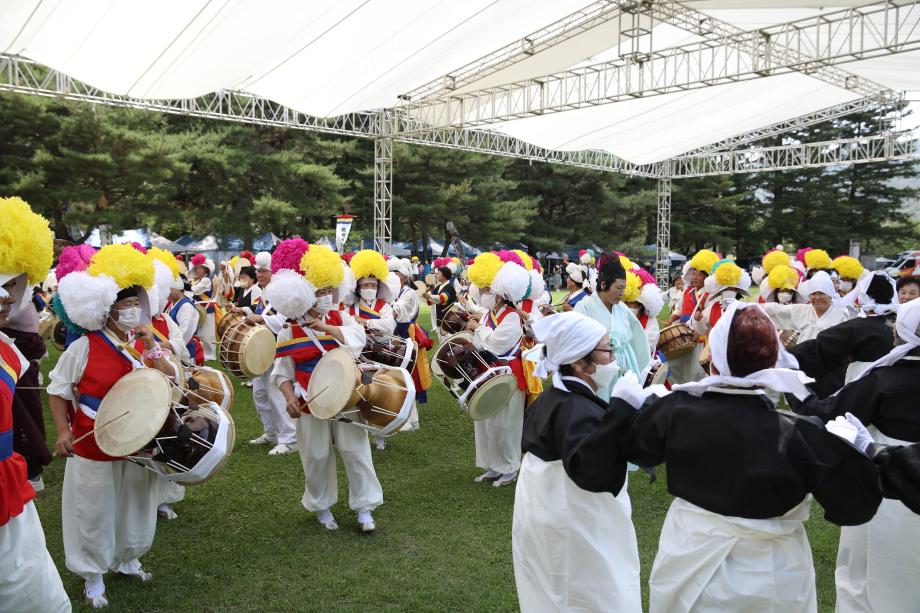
675,294
908,289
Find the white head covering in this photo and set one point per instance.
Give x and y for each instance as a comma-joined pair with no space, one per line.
866,302
401,265
263,261
563,339
783,378
906,325
576,272
821,282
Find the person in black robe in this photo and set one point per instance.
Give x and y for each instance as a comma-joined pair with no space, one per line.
862,339
743,474
443,296
573,541
878,564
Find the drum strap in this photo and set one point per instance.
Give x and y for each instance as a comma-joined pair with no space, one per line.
312,336
129,353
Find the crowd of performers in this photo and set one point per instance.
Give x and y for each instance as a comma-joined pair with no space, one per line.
806,393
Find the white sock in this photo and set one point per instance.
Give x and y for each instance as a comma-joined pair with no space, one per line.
324,516
364,517
95,587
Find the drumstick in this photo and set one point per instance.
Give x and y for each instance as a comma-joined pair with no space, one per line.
100,428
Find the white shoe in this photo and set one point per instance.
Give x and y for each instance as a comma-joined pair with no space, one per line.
132,570
38,483
96,602
263,440
366,521
381,443
505,480
247,383
166,512
326,520
489,475
281,449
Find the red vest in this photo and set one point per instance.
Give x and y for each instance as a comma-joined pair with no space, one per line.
160,332
514,359
105,365
304,352
15,489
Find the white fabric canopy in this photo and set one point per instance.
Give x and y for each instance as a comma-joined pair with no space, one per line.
329,57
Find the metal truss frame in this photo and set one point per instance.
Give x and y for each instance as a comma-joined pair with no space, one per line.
383,183
663,234
819,42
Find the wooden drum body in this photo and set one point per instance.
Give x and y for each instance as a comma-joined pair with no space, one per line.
676,340
482,390
454,320
246,349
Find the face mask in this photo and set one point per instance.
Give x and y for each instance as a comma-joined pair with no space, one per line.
129,318
846,286
245,283
604,374
369,294
728,297
324,304
487,301
784,298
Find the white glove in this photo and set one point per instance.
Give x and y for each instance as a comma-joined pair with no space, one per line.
842,428
629,390
863,438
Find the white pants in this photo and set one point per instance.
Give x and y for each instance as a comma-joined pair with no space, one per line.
28,579
169,491
498,438
109,514
315,442
207,332
573,550
272,410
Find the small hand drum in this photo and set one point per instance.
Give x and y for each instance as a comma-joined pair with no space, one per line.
676,340
246,349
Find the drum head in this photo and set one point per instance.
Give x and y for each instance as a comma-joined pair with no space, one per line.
491,397
257,352
145,394
443,348
661,375
332,383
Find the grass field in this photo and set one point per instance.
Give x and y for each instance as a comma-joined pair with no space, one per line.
243,542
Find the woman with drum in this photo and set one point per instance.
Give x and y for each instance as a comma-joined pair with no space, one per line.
316,326
29,580
605,306
109,504
498,334
573,541
442,296
807,320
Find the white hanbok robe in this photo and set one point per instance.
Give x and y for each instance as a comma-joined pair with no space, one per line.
207,329
802,317
315,441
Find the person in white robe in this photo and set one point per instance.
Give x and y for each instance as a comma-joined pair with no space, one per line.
821,312
627,337
572,540
203,295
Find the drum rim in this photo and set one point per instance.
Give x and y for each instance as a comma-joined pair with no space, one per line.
433,365
505,378
311,391
231,443
100,438
270,341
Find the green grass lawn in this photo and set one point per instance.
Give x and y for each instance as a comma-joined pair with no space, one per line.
243,541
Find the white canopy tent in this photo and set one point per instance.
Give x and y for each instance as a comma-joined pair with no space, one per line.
655,88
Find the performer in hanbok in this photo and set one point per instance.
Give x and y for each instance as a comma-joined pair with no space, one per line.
405,312
821,312
695,272
441,297
29,580
850,270
572,540
605,306
278,428
838,354
371,294
576,282
204,296
315,326
247,293
726,283
108,503
644,299
743,474
878,563
182,311
498,334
